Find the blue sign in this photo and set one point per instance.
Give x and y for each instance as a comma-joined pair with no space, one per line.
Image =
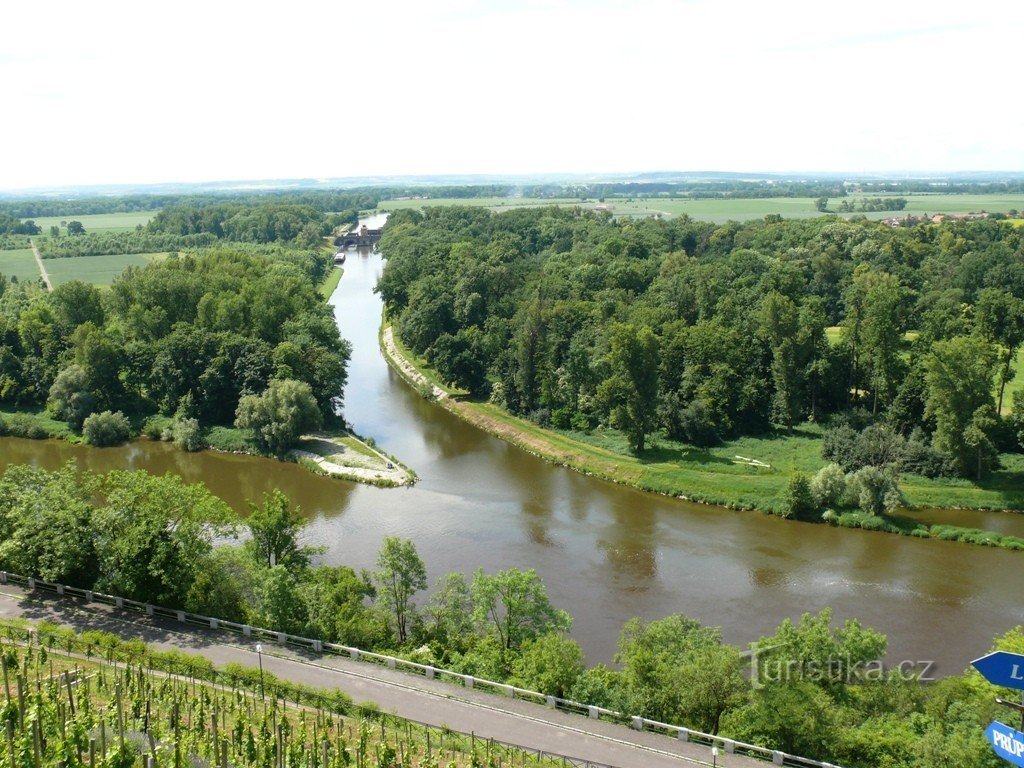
1007,743
1002,668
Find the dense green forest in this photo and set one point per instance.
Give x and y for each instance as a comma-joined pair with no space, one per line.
817,691
902,340
233,335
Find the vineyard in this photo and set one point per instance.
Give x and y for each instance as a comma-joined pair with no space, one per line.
94,700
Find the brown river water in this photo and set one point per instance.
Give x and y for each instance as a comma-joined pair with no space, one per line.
606,553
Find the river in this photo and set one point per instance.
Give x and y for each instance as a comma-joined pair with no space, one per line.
605,552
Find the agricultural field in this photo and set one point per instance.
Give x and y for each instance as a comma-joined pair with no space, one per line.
98,222
740,209
98,270
19,263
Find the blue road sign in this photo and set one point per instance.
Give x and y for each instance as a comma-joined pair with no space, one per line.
1007,743
1002,668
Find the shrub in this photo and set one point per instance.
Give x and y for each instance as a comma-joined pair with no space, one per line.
187,434
829,485
873,490
278,416
830,516
799,500
106,428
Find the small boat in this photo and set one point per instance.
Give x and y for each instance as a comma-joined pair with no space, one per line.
339,257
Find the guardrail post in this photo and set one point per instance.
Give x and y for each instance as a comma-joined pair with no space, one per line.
592,713
468,681
354,653
3,577
778,758
181,616
730,746
60,589
214,624
429,672
318,646
391,662
119,602
246,631
88,595
149,609
684,734
549,701
509,691
282,638
638,723
31,583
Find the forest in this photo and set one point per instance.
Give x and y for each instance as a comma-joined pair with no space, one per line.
901,341
232,336
818,690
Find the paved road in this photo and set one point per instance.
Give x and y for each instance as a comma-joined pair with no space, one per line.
429,701
39,262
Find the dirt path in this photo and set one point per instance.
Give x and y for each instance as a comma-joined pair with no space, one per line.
406,368
39,263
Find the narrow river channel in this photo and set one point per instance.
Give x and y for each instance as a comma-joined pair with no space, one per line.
606,553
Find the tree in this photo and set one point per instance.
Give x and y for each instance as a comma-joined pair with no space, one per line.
821,204
778,325
54,230
676,670
515,605
280,415
154,535
959,376
274,529
45,525
70,397
631,391
550,664
75,227
999,319
401,575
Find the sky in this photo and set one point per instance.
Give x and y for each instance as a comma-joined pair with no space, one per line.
136,92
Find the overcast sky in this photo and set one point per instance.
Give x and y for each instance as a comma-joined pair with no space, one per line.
105,92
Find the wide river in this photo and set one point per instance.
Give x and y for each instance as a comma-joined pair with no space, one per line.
606,552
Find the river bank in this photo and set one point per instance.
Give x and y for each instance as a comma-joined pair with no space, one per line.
745,474
337,453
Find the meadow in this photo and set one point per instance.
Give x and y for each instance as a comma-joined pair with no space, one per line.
19,263
98,270
740,209
97,222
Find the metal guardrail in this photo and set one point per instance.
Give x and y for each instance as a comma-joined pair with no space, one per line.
730,746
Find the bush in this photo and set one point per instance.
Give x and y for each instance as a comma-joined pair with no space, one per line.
799,500
280,415
106,428
830,516
187,434
829,486
873,490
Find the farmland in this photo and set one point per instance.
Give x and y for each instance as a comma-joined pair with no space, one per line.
98,270
99,222
739,209
19,263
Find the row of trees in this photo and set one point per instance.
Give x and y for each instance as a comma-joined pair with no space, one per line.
78,242
813,687
229,335
700,332
11,225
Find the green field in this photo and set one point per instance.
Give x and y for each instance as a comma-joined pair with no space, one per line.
97,222
742,209
98,270
19,263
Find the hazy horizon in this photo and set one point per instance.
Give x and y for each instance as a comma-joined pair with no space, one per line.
130,95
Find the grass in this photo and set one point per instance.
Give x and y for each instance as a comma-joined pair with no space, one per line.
97,222
19,263
750,472
331,281
740,209
98,270
35,424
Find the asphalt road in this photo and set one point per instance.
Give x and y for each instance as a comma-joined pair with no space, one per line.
429,701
